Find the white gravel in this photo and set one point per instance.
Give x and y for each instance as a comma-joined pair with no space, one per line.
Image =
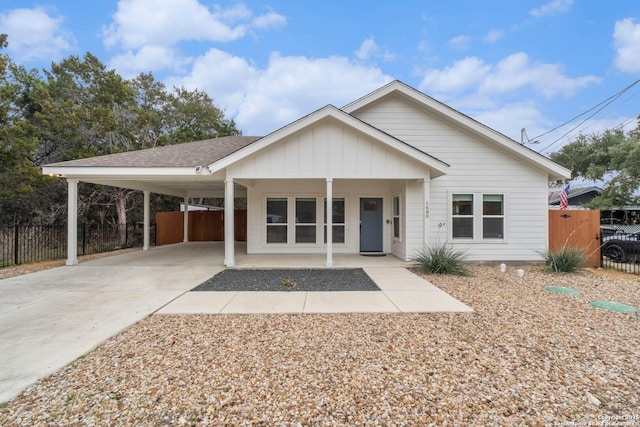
524,357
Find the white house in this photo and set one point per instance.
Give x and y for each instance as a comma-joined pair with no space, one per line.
401,172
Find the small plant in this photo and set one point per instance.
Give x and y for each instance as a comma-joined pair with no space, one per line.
566,260
441,259
288,283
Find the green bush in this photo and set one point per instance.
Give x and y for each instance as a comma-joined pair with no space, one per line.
441,259
566,260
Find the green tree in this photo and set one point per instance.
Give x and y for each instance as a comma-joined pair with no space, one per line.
612,156
19,176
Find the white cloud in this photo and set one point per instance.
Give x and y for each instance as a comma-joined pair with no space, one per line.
370,50
223,76
460,42
464,74
626,39
515,72
493,36
149,58
290,87
166,22
551,8
33,34
511,118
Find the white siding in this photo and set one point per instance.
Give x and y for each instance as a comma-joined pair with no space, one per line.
476,167
327,149
351,190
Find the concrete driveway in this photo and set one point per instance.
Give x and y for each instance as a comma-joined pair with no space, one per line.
50,318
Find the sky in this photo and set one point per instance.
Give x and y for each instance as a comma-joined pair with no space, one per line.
556,68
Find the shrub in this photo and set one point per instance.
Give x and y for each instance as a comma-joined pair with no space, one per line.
441,259
566,260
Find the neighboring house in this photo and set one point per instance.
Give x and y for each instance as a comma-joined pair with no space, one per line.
578,197
402,172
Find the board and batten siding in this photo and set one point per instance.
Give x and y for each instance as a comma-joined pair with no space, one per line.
327,149
349,189
477,166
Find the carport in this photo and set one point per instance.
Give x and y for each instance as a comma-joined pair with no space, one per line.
177,170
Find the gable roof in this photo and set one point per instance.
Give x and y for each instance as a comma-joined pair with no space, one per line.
436,166
575,192
186,155
451,115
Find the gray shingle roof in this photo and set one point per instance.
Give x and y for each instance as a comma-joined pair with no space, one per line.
189,154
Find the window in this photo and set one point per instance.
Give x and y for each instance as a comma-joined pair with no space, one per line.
337,217
277,220
305,220
493,216
477,216
462,221
396,217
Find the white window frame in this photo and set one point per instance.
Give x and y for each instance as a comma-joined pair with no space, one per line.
343,224
292,223
478,217
396,217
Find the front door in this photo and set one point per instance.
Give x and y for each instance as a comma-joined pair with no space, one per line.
370,225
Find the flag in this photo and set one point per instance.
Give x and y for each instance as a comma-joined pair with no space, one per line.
564,198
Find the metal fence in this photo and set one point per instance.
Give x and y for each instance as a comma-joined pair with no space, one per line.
25,244
621,251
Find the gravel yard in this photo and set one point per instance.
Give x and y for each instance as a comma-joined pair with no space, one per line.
526,356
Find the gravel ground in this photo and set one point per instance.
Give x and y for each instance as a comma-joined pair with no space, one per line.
298,280
526,356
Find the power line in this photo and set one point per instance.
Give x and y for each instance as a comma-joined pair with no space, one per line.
606,103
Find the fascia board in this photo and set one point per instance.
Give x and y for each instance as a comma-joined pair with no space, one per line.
71,172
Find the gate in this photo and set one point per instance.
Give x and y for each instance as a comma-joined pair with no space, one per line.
576,229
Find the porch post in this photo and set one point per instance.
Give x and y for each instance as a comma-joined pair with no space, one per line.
72,222
147,213
186,219
426,187
229,231
329,220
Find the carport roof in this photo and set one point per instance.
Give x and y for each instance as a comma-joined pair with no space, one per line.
187,155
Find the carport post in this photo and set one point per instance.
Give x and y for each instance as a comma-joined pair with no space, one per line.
186,219
72,222
229,231
329,220
145,244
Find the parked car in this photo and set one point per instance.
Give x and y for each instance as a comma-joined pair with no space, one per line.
622,247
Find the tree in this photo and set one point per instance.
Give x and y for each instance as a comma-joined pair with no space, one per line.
613,156
19,176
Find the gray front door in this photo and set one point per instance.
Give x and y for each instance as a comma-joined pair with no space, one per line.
370,225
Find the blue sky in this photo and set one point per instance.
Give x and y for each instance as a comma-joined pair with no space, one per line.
511,65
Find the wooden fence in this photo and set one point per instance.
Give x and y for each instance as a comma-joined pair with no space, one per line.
576,229
204,226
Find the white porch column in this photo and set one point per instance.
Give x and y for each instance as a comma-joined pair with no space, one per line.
147,213
229,230
186,219
72,222
426,187
329,220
